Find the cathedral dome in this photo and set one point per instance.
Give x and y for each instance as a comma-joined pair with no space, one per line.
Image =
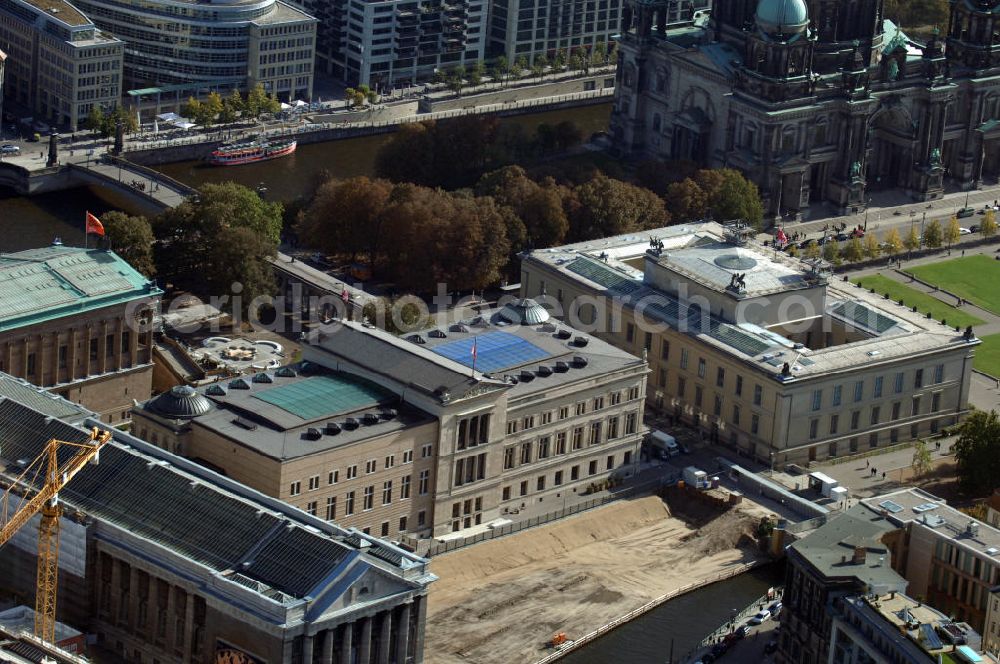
782,17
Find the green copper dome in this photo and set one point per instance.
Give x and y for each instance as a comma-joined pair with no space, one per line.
782,17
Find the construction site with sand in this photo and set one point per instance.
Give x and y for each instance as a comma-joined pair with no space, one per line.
501,601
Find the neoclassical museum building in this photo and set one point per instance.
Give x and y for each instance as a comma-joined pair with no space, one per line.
814,100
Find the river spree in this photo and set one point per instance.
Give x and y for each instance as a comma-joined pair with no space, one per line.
685,620
40,218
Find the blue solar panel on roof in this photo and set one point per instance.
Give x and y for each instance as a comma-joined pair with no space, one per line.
495,351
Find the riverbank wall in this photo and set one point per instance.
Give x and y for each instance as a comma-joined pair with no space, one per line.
198,147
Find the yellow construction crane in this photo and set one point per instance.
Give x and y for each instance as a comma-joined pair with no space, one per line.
36,490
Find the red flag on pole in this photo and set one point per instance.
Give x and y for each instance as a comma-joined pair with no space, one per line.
94,225
782,238
475,354
345,296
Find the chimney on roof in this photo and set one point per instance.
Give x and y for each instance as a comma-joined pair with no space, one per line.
859,555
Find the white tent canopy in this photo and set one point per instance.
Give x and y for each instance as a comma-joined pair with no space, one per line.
299,103
285,106
169,117
183,124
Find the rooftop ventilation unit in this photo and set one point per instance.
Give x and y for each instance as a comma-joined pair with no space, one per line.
370,418
388,414
285,372
579,361
561,367
332,428
548,327
417,339
526,376
312,433
580,342
239,384
972,529
459,327
262,378
437,334
245,424
350,424
564,334
216,390
992,551
544,371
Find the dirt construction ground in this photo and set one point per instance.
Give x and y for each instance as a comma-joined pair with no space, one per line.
500,601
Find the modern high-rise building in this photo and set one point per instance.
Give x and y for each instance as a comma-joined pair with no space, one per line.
59,64
389,42
215,45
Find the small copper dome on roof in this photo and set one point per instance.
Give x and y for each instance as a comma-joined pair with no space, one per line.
782,17
182,401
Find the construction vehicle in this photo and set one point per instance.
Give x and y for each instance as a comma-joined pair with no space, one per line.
36,490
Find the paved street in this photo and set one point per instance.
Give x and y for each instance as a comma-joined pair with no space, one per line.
856,474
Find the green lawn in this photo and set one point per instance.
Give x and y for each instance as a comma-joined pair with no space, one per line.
987,357
974,278
924,303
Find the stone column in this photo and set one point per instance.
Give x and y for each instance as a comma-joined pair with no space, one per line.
365,647
102,347
24,361
307,649
188,627
171,618
420,604
133,347
403,638
8,357
326,657
71,355
116,590
116,346
385,631
345,644
133,598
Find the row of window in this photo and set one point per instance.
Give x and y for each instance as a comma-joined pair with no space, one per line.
559,477
351,472
562,442
858,389
874,415
580,408
349,505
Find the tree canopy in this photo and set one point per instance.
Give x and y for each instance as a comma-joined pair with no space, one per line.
977,453
132,239
222,237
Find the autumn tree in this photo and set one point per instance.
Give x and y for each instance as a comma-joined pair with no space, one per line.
871,247
344,218
612,207
232,107
812,250
933,234
921,462
912,241
988,226
132,239
686,200
893,243
952,232
831,253
854,251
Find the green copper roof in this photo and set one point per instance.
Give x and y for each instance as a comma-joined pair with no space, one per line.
325,396
44,284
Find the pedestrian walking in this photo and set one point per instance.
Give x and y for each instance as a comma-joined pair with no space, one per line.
867,463
883,475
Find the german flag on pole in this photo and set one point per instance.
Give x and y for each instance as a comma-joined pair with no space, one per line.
94,225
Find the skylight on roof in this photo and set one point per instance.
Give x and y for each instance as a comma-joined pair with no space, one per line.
891,506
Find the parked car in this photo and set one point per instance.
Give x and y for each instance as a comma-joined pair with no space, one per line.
774,608
964,231
843,237
761,617
973,229
965,212
10,149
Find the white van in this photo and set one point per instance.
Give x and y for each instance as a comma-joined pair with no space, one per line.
664,444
